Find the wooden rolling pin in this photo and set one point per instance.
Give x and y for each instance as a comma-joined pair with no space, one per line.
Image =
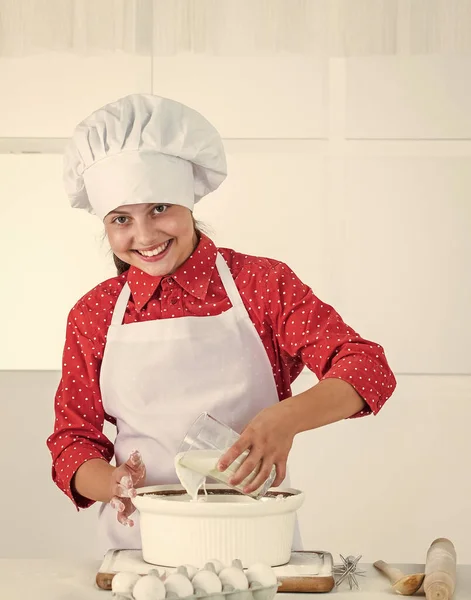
440,570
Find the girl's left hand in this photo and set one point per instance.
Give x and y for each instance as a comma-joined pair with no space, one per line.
124,479
268,437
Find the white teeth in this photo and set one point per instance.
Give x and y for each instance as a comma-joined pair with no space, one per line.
156,251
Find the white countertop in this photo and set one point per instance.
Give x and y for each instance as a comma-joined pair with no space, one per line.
48,579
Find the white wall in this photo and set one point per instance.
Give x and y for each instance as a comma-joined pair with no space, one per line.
356,172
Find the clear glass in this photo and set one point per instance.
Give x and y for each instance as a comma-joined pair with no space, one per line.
204,444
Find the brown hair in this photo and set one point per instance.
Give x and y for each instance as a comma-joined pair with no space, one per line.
122,267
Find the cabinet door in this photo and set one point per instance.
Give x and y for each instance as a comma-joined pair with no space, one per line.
404,264
52,255
250,97
47,95
410,98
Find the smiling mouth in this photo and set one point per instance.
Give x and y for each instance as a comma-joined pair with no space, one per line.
157,251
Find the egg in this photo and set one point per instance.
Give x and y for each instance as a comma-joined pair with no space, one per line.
178,584
209,567
218,566
149,587
123,583
235,577
183,571
207,582
262,574
263,593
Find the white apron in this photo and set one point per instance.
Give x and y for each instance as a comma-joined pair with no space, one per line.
158,376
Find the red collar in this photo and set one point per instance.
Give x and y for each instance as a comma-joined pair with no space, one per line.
193,275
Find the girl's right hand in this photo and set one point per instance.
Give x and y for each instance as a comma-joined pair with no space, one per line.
124,480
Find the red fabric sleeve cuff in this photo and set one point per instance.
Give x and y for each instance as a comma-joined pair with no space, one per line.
68,463
374,400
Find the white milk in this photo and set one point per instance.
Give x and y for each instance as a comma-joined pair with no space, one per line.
193,466
191,480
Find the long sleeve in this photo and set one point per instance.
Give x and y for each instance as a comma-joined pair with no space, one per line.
79,414
312,331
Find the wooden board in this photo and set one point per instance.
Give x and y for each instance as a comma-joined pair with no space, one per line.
306,572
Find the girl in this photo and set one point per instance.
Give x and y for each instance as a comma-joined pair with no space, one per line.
185,327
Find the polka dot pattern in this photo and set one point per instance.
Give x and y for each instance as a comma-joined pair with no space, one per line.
297,329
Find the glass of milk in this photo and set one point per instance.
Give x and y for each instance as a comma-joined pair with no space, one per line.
204,444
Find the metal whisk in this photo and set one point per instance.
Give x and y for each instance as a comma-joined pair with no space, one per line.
348,570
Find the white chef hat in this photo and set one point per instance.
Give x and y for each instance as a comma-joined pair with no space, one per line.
142,149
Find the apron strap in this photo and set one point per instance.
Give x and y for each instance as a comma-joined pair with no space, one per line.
120,307
228,282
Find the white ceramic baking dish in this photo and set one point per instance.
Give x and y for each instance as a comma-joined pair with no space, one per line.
225,525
